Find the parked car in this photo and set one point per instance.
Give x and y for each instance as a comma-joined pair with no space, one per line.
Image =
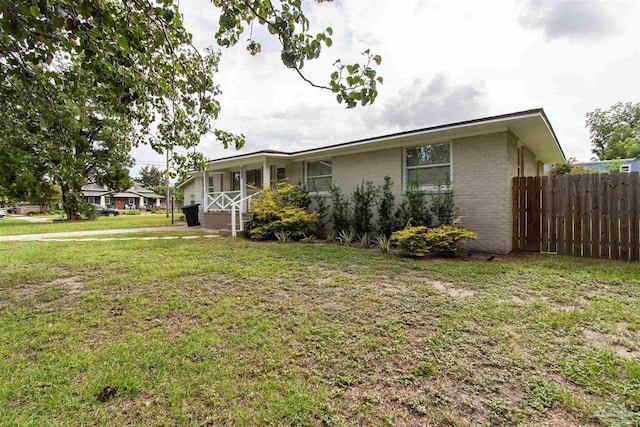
3,213
105,211
12,210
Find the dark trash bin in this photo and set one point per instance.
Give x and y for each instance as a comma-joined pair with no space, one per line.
191,214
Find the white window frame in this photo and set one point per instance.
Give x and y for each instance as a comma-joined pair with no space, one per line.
107,200
306,175
405,168
91,199
625,168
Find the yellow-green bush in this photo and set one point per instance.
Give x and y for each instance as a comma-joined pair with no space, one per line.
412,240
281,208
445,240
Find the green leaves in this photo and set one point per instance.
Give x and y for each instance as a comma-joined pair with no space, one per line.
123,42
128,76
356,83
615,133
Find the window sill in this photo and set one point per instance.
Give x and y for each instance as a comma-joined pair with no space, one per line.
431,189
320,193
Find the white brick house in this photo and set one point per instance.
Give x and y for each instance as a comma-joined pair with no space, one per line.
479,157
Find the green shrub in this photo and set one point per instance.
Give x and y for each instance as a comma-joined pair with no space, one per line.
414,208
412,240
309,239
383,243
443,205
339,210
86,210
292,195
388,223
365,240
346,237
322,210
281,209
445,240
364,199
131,212
283,236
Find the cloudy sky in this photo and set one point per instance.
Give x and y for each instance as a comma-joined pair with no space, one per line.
443,61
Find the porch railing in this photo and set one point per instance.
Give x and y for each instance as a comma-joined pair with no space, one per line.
239,206
221,201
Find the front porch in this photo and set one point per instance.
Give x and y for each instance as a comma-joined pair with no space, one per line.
227,192
235,186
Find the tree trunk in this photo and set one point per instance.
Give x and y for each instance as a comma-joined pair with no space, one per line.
72,214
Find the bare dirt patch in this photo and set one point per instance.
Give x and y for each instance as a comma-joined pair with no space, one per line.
174,323
73,284
609,342
558,418
445,287
393,287
553,305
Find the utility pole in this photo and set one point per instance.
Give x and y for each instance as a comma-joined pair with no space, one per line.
166,177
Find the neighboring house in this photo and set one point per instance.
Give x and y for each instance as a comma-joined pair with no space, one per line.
136,197
479,157
628,165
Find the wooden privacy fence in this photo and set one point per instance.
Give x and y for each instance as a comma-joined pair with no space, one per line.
582,215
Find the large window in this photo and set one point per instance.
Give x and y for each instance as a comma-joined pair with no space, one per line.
254,179
319,175
428,166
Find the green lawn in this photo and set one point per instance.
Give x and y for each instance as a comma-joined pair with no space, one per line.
231,332
17,226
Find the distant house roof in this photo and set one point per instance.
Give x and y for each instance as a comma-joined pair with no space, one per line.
631,165
95,193
137,190
126,194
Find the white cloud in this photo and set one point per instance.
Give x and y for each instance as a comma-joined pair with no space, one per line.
439,101
569,18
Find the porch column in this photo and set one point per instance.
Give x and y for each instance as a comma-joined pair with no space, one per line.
205,190
266,174
243,188
101,200
141,202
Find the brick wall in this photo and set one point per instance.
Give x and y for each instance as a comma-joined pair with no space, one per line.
481,180
350,170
